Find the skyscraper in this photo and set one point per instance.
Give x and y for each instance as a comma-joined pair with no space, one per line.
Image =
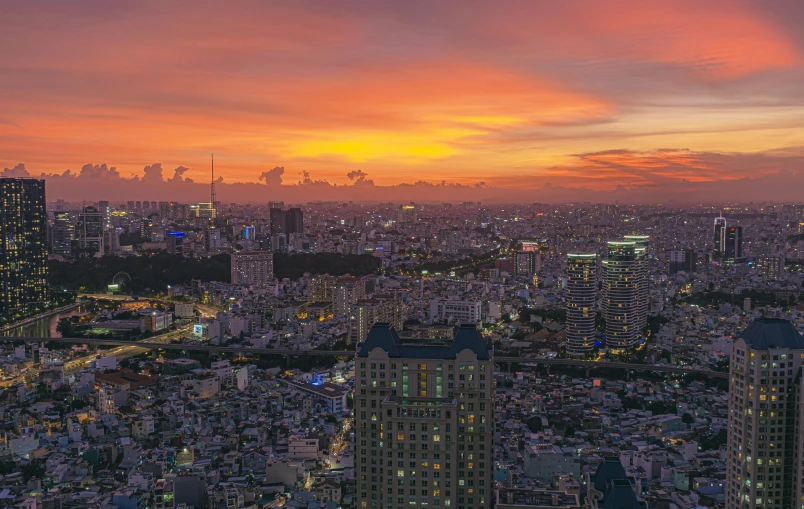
720,235
641,278
581,300
424,420
764,467
734,243
294,220
103,208
23,243
63,232
90,230
286,221
621,295
277,220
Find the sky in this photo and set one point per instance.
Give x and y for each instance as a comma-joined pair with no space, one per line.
630,100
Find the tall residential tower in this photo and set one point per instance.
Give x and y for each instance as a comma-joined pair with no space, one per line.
23,243
621,295
424,420
765,459
581,300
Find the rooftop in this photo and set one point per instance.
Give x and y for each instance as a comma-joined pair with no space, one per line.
382,335
767,333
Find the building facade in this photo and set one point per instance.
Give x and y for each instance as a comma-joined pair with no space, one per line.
581,302
23,243
252,268
424,418
90,230
765,459
455,311
620,295
379,309
63,233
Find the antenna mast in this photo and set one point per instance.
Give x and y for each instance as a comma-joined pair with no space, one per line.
212,184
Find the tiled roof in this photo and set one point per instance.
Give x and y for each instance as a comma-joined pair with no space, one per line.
767,333
382,335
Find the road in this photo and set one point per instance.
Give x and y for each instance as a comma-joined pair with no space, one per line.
626,366
121,352
206,310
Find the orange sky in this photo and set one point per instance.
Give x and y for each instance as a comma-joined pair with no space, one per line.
514,94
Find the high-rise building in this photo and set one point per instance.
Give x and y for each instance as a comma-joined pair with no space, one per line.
734,243
277,220
346,291
526,262
378,309
111,241
407,213
764,466
424,413
212,240
286,221
252,268
294,220
720,235
682,261
23,243
105,210
90,230
453,242
621,295
581,300
771,267
174,243
63,232
641,278
320,288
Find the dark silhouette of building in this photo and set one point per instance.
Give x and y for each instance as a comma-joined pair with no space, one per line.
286,221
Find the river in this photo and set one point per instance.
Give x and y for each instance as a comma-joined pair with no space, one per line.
45,327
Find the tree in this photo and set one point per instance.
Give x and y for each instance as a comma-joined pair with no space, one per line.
569,431
32,469
65,328
687,418
350,401
535,424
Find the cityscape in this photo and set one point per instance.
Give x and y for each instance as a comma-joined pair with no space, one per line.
590,329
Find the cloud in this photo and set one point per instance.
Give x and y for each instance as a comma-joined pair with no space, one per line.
94,172
360,178
152,173
17,171
532,90
273,177
177,174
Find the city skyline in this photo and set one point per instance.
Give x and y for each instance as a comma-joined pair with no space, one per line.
648,103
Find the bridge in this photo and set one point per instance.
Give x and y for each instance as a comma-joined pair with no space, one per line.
535,361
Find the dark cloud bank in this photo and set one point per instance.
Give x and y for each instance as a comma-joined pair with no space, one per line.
777,176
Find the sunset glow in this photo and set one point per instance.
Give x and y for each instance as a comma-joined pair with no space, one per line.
512,94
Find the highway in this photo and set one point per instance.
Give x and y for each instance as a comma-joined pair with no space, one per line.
152,344
128,349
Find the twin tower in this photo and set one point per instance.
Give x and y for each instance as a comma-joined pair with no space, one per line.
624,303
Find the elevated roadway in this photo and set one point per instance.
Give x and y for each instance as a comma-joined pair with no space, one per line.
627,367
